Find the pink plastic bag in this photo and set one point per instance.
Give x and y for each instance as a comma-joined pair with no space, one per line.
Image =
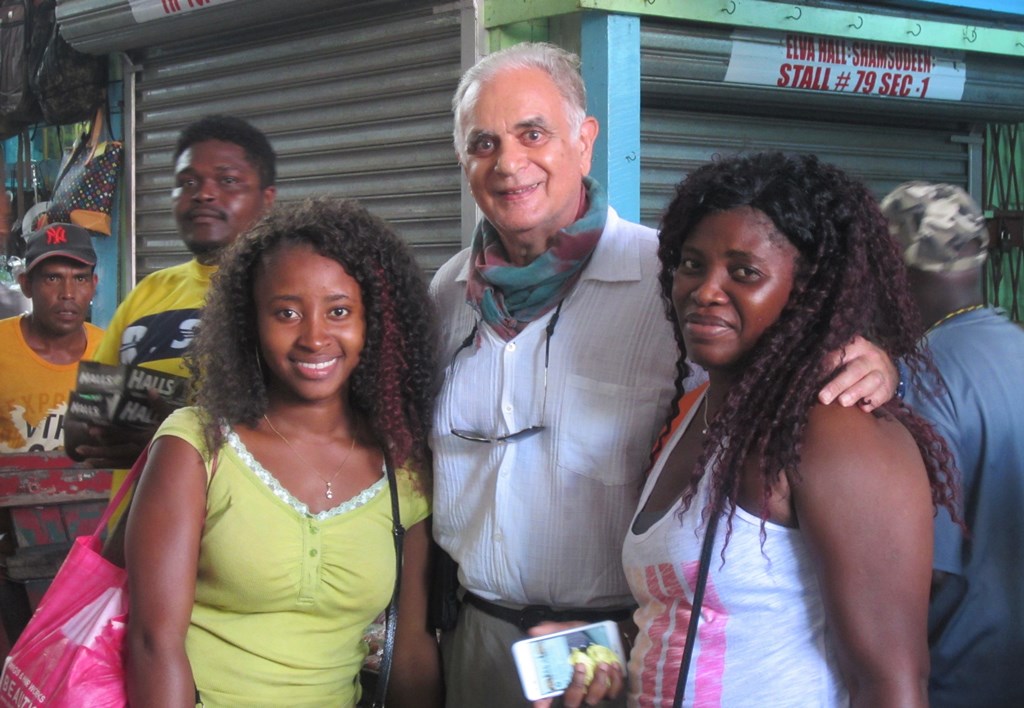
71,653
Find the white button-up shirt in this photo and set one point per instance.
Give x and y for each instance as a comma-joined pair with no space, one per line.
541,519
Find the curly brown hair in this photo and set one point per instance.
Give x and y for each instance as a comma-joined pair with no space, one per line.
850,280
392,388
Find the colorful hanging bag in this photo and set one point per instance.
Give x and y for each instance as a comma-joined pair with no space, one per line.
71,653
84,192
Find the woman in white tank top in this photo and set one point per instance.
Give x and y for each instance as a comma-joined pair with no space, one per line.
818,586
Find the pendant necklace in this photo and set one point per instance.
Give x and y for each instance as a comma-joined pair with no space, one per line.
329,492
954,313
707,395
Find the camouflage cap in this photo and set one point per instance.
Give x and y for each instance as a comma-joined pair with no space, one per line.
939,227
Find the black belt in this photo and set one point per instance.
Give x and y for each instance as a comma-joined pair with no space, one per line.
532,615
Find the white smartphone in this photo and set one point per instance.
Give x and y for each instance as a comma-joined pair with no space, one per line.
543,662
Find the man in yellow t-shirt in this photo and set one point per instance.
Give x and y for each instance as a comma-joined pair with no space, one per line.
40,350
224,170
224,173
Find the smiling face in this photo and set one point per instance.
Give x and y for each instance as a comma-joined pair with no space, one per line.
734,277
523,163
311,322
217,196
61,290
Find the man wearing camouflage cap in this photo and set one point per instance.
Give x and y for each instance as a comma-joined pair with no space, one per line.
976,617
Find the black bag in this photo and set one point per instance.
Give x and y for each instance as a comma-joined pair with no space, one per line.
443,602
68,84
21,43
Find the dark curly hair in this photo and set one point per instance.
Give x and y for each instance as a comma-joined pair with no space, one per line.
850,280
230,129
391,389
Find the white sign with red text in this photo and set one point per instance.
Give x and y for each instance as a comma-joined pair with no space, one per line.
813,62
148,10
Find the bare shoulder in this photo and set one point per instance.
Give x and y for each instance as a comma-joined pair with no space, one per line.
174,463
172,448
844,441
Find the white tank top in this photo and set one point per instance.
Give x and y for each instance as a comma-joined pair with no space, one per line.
762,638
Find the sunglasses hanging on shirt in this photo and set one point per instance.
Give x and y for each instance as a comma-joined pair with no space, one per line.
475,436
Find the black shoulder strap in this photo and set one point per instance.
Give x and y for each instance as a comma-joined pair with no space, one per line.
698,600
398,531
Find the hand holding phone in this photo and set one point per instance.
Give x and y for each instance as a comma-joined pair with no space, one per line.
547,663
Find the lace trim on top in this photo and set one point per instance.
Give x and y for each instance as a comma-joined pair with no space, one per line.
284,495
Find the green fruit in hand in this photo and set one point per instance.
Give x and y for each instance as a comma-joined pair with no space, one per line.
594,655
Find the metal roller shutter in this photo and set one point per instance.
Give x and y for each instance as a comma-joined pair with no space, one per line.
675,142
353,107
689,116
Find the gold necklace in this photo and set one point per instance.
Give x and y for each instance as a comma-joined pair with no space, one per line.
954,313
329,492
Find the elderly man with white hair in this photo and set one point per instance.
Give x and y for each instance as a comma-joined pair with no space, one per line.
560,373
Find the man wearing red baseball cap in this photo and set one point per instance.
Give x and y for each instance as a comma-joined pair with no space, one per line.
40,350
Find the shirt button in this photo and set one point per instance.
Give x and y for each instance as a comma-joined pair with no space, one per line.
511,347
313,529
508,407
312,554
499,537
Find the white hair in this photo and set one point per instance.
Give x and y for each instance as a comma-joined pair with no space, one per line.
563,67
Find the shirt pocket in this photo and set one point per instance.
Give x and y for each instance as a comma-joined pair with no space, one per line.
606,429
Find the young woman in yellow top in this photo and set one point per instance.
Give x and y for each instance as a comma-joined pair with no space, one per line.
259,543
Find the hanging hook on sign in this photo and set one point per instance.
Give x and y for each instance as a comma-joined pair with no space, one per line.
799,13
970,34
860,23
631,157
912,33
731,9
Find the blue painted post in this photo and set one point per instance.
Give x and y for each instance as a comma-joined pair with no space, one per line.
610,50
107,269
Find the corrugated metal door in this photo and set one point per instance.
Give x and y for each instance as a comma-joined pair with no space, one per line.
673,143
353,107
689,117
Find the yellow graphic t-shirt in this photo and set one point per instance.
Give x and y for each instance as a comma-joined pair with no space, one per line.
154,327
34,392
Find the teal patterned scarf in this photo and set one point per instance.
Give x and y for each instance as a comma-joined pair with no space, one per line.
508,297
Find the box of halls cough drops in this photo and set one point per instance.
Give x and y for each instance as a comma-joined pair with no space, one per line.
119,395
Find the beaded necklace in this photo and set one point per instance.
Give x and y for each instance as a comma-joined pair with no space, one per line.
953,314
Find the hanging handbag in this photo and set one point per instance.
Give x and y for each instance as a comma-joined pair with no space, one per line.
84,191
71,653
69,85
22,39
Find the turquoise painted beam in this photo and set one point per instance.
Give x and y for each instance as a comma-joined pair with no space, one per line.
610,51
778,16
104,303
